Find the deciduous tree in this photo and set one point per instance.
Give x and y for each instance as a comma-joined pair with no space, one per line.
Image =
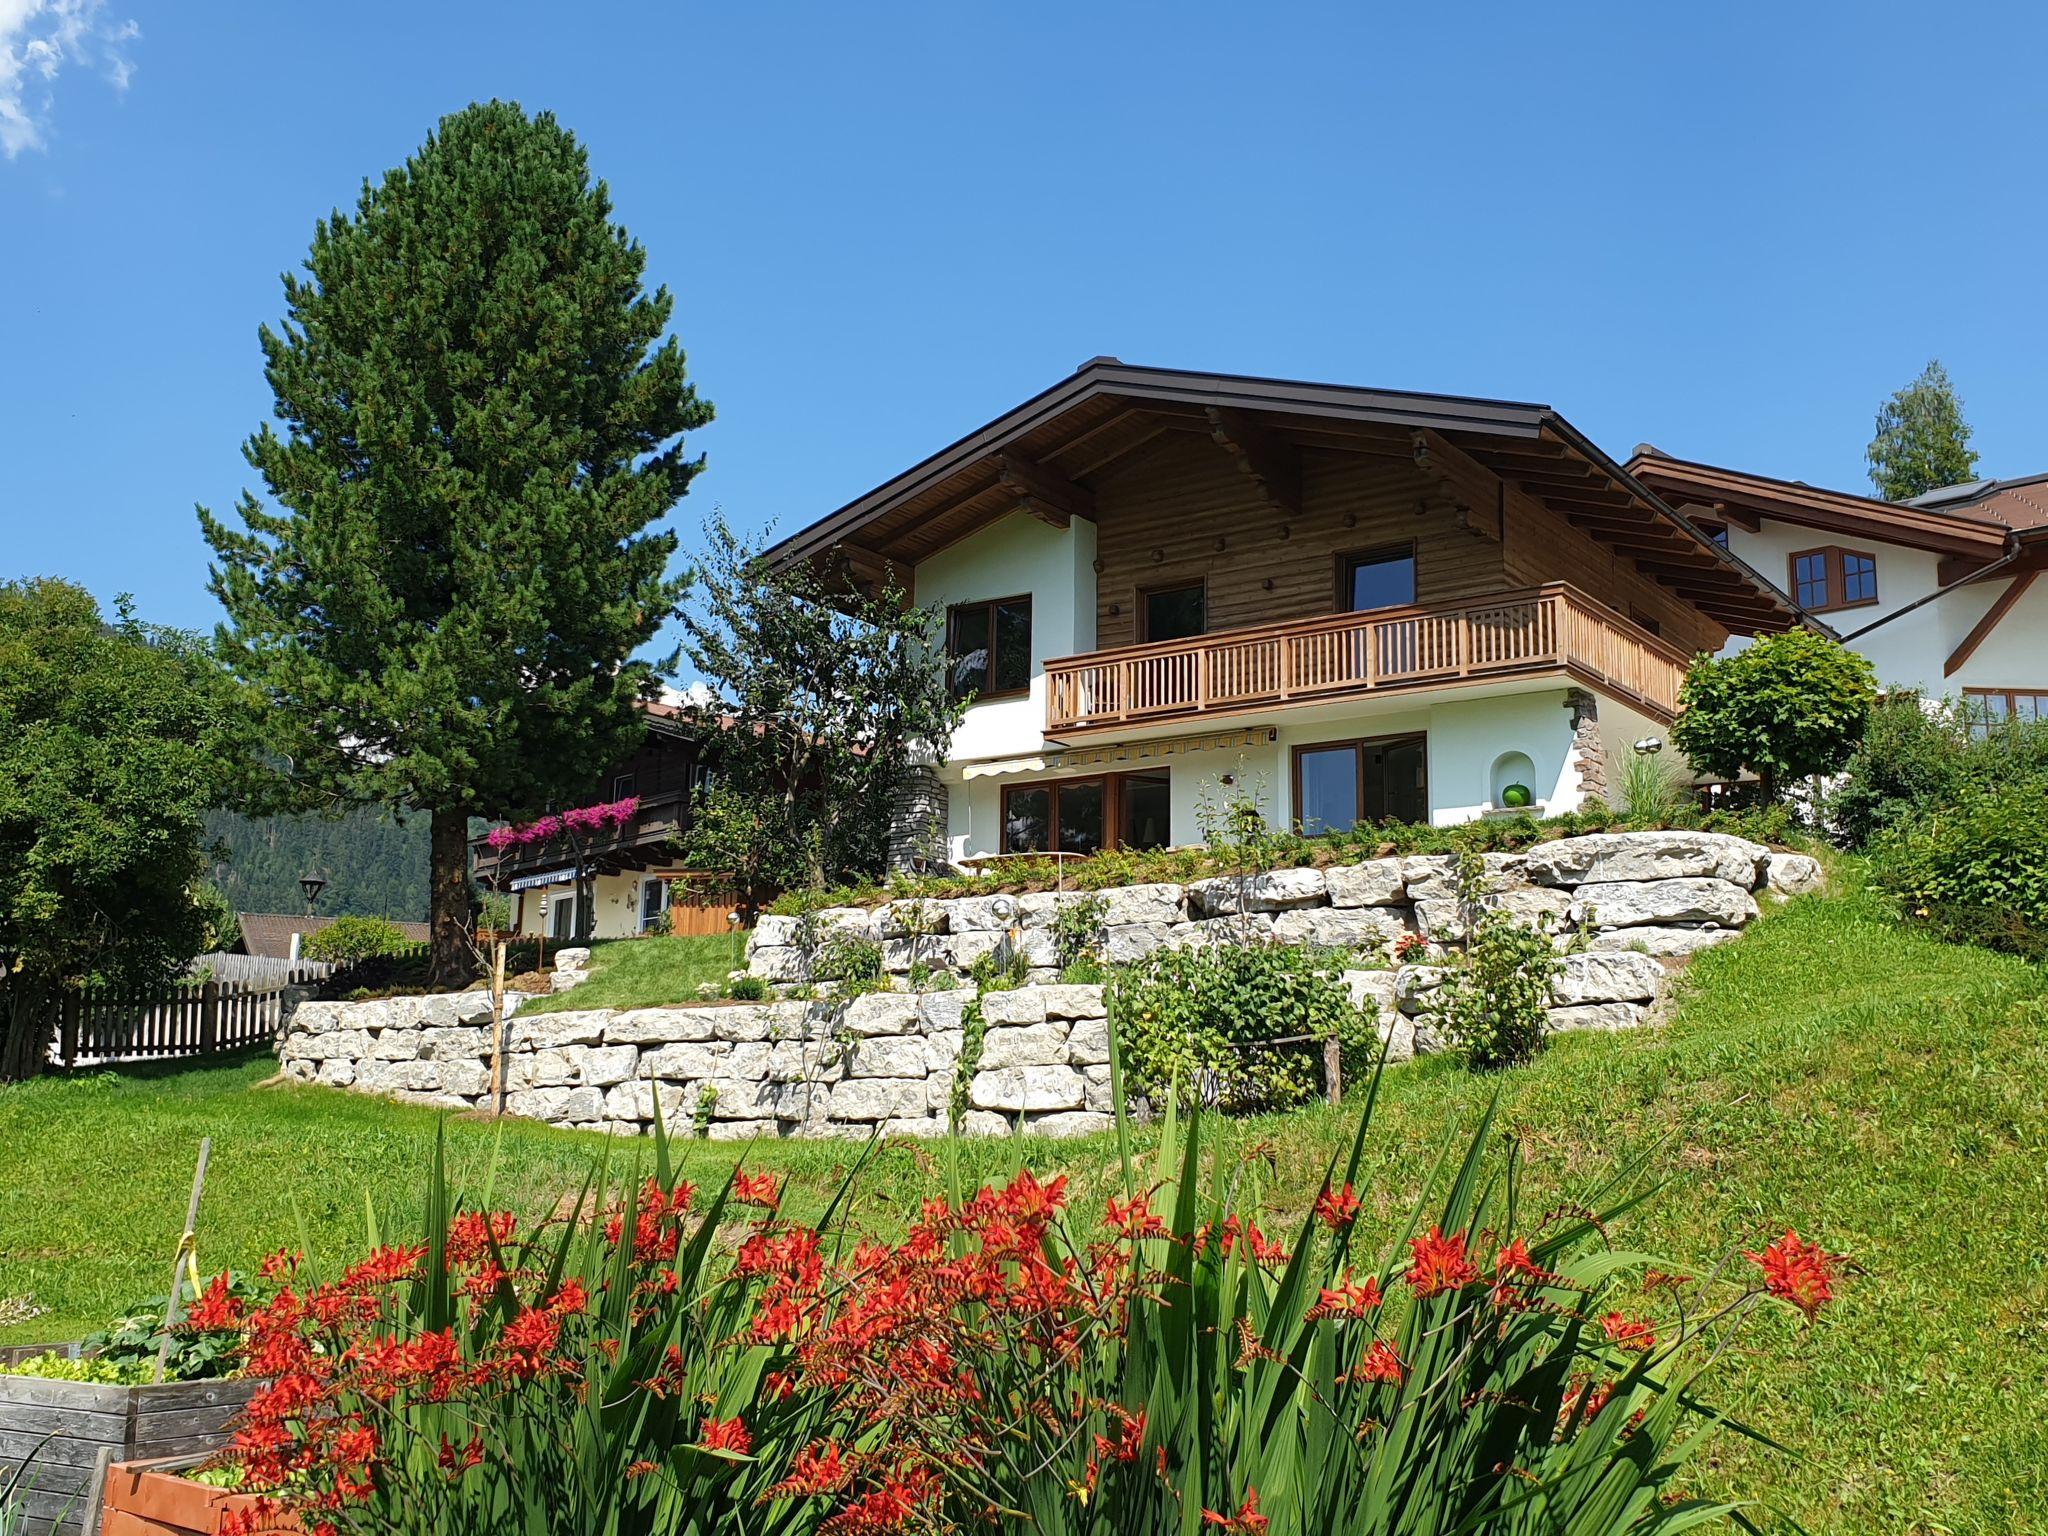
1922,441
115,739
1784,707
481,426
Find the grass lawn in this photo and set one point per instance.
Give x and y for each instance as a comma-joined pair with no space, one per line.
1881,1092
646,973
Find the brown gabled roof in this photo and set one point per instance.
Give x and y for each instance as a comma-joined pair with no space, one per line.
1746,496
1041,453
270,933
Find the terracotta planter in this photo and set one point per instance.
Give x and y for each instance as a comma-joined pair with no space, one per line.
148,1498
81,1419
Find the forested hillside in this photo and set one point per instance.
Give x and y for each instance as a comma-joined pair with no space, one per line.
374,866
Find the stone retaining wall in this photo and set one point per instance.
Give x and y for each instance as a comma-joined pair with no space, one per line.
1663,893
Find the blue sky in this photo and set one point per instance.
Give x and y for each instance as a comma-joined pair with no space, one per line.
1729,230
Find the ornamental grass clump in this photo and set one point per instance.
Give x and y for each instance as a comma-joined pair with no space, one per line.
1168,1365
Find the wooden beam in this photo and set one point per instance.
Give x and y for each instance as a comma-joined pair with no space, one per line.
1955,568
1998,610
1046,494
1443,461
1272,466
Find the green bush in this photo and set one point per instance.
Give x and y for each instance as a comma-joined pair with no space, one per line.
1915,759
1784,707
1240,1026
747,989
1977,871
347,940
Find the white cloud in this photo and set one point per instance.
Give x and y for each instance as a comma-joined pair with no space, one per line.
38,40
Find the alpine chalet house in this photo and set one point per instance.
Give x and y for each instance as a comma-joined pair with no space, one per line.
1168,591
1942,593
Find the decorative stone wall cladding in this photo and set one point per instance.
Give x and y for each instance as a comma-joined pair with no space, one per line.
1666,893
888,1060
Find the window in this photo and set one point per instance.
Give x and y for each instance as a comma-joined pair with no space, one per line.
622,786
990,644
653,902
1988,707
562,922
1823,579
1174,613
1382,578
1080,815
1715,532
1340,784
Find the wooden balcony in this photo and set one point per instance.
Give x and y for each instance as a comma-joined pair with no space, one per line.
1554,628
641,842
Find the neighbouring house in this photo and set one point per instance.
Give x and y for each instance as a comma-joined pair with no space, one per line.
279,935
1167,592
1940,592
630,877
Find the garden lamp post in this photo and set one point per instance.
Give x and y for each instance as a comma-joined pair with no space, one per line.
312,885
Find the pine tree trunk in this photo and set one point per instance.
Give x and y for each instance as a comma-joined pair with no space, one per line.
28,1019
448,898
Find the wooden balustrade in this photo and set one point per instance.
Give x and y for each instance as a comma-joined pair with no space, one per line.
1549,628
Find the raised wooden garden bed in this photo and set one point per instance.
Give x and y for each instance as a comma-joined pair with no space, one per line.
179,1418
149,1498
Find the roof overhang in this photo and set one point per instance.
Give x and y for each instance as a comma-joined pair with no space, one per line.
1039,456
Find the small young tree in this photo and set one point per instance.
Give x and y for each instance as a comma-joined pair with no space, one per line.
834,695
482,424
1784,707
115,740
1922,441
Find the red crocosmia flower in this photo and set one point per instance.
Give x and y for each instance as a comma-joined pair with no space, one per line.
1130,1437
1347,1299
756,1189
456,1460
355,1446
1134,1218
471,1234
1514,1260
1337,1209
891,1507
384,1266
1629,1333
1440,1264
1027,1200
1381,1364
528,1341
1801,1273
570,1299
817,1468
281,1265
217,1308
642,1468
1246,1522
726,1435
259,1514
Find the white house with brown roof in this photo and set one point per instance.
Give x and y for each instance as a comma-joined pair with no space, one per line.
1167,590
1941,593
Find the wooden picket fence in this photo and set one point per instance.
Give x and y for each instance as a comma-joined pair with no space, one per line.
196,1020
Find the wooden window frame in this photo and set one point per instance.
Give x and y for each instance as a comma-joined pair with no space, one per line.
2010,695
991,604
1341,576
1145,594
1831,569
1357,744
630,780
1112,805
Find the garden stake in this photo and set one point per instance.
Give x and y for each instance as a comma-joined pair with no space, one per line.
187,1254
498,1027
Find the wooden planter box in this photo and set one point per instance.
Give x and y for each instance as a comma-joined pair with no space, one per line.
129,1423
148,1498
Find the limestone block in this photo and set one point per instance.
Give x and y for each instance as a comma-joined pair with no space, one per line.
1608,857
1088,1043
313,1018
1031,1045
887,1056
966,948
781,962
909,919
1634,903
1023,1005
750,1099
1342,927
539,1069
454,1044
934,950
395,1045
1239,928
334,1072
1073,1122
567,981
1129,942
941,1051
371,1075
556,1105
1027,1088
430,1100
743,1021
926,1128
1605,977
1095,1091
1040,948
1075,1000
658,1026
982,1122
1273,891
774,932
1375,883
1413,986
1793,874
307,1071
549,1031
638,1101
604,1065
1129,904
1371,991
1037,909
986,914
742,1130
1599,1016
881,1013
1397,1034
879,1098
943,1010
1665,942
336,1045
575,958
684,1060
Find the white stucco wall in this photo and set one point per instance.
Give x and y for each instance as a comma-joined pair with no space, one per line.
615,903
1012,557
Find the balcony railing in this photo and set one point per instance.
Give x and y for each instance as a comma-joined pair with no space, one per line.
657,820
1551,628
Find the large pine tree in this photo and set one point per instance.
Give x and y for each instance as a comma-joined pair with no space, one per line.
1922,441
482,422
